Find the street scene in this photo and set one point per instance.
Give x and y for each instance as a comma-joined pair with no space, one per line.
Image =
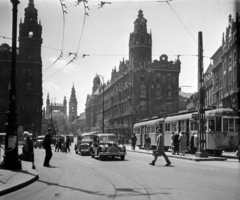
74,176
135,99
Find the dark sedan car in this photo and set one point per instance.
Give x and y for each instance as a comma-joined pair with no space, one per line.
84,142
105,145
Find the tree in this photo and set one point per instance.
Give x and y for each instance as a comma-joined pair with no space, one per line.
60,122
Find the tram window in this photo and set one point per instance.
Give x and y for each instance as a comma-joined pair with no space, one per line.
218,124
225,124
148,129
211,125
167,127
231,125
173,127
194,126
237,125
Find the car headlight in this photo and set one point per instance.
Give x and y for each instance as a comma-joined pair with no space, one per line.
103,148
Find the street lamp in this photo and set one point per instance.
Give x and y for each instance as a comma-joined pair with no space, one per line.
11,158
102,103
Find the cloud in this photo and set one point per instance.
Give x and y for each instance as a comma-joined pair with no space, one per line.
189,86
51,87
61,65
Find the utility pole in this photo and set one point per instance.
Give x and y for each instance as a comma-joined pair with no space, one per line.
102,103
11,158
201,107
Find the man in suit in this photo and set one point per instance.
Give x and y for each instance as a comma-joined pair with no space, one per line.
47,146
160,149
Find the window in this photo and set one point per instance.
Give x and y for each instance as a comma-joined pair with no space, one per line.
231,125
30,34
225,124
237,125
169,79
211,125
142,78
167,127
29,72
158,91
142,91
218,123
29,86
173,127
194,126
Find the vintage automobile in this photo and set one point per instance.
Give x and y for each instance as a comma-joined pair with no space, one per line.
84,142
39,142
105,145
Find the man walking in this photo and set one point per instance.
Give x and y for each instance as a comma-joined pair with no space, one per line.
134,140
47,146
160,149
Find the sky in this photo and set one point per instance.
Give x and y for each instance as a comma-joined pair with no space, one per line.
104,35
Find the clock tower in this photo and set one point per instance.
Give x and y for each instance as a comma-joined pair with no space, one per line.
73,106
140,43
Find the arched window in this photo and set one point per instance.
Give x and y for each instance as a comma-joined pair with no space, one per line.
30,34
142,91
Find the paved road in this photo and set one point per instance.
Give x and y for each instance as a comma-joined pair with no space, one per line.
82,177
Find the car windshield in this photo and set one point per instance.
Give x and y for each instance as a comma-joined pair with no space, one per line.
108,138
87,137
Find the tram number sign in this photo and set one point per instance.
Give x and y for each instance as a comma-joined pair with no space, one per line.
195,116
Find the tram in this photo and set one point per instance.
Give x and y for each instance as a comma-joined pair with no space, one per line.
222,127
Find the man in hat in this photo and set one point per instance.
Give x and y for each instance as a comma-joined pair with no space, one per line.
47,146
160,149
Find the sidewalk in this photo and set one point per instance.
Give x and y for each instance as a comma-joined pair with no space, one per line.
187,156
14,180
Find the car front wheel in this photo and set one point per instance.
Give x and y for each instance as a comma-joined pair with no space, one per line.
122,157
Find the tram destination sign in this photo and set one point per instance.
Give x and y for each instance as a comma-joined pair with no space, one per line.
195,116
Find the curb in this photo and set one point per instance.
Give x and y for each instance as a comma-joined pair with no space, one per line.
197,159
19,186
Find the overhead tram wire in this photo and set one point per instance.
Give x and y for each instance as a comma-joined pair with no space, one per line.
181,22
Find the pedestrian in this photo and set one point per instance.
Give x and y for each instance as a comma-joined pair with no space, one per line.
238,151
182,143
133,141
27,150
176,143
160,150
192,144
68,144
172,143
57,144
147,142
47,146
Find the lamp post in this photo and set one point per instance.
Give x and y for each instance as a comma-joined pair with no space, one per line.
102,103
11,158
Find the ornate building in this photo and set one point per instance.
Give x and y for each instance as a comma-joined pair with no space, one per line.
51,106
28,74
139,88
222,78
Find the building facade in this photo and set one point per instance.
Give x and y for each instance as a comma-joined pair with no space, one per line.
51,106
139,88
28,74
222,78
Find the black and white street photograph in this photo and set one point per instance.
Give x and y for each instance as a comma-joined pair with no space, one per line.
120,99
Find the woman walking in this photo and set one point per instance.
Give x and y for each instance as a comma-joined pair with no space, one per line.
182,143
